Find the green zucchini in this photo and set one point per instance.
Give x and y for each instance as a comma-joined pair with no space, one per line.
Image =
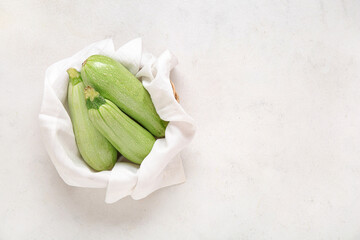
95,149
114,82
127,136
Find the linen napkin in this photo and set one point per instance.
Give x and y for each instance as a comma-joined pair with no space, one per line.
161,168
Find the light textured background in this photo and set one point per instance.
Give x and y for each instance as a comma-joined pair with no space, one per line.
273,87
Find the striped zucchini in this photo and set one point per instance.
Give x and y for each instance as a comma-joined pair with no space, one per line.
96,151
114,82
127,136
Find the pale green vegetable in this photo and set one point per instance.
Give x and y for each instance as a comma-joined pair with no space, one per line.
114,82
127,136
95,149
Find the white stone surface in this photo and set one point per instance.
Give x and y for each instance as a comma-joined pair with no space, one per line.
273,87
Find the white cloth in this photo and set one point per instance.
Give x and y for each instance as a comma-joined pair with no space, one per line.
161,168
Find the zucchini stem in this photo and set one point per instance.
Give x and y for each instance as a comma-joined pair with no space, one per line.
93,98
74,76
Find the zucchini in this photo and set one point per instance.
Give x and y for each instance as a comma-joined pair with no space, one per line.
127,136
95,149
114,82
